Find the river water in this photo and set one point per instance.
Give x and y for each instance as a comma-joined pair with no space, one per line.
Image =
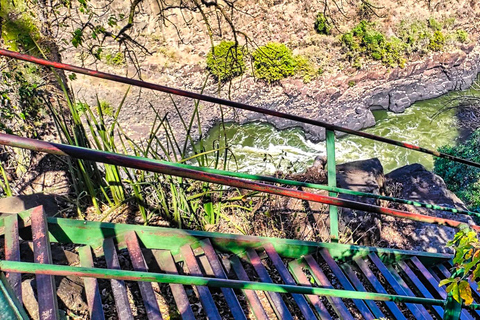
260,148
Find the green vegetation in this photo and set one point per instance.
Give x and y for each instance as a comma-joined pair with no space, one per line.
81,107
322,25
18,28
365,41
463,180
437,41
273,62
461,35
467,265
225,61
305,69
434,24
105,108
351,83
115,59
415,35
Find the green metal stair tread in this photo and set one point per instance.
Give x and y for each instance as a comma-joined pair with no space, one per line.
211,246
119,289
47,305
395,282
359,287
360,304
296,268
275,298
288,279
12,253
204,293
393,308
420,286
92,291
167,264
431,278
321,279
146,290
252,297
218,271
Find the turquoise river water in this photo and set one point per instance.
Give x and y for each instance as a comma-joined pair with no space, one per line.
260,148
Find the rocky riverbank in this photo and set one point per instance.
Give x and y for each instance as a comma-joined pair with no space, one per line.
345,99
412,182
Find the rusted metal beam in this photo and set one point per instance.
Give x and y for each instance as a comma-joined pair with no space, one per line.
238,105
92,291
12,252
119,289
126,275
46,290
161,167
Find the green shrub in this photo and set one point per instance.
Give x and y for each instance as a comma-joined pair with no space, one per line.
437,41
393,53
115,59
461,35
225,61
364,40
322,25
106,108
273,62
351,83
415,35
463,180
305,68
434,24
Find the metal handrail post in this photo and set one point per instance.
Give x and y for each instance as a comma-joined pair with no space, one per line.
332,182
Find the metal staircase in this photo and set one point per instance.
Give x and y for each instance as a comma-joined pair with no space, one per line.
223,276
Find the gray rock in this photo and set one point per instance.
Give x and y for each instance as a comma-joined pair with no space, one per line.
414,182
24,202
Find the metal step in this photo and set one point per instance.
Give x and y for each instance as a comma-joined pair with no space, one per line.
215,257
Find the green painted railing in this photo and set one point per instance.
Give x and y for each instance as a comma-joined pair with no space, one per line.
232,179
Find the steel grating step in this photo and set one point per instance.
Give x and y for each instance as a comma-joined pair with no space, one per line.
213,256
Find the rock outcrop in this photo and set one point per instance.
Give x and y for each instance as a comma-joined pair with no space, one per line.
412,182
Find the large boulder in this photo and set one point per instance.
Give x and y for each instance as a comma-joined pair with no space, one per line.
363,176
415,182
411,182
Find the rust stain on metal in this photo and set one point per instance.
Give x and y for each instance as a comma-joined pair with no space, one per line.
238,105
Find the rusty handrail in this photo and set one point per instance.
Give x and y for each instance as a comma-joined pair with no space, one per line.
238,105
161,167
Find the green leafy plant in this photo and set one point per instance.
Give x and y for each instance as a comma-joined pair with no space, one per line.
461,35
273,62
364,40
434,24
466,263
437,41
322,25
115,59
463,180
81,107
225,61
415,35
305,68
